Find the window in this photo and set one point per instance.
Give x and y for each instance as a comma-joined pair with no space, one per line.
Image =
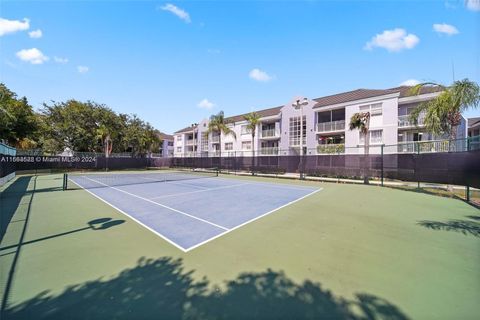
376,137
179,137
374,109
246,145
294,131
204,142
246,130
229,146
170,143
179,149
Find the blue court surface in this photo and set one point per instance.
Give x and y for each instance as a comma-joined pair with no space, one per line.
190,212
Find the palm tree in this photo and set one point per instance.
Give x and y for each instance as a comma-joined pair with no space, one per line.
218,124
103,134
361,121
253,120
444,113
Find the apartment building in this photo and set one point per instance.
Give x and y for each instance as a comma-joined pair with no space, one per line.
166,147
474,127
325,126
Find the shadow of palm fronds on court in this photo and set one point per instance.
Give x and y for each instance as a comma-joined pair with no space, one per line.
163,289
465,227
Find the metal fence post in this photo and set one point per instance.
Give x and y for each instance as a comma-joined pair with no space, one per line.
416,164
382,162
467,189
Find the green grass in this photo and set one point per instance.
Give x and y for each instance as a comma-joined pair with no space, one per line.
347,252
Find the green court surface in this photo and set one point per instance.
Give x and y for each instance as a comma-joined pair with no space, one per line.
347,252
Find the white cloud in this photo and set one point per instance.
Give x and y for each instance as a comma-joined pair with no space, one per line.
205,104
60,60
11,26
82,69
182,14
35,34
445,28
410,82
259,75
473,5
393,40
34,56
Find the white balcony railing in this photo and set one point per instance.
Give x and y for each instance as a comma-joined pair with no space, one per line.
331,148
270,133
267,151
215,139
404,121
189,142
331,126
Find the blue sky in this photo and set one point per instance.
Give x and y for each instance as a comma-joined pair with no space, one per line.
174,63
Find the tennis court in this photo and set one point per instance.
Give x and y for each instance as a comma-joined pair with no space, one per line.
188,208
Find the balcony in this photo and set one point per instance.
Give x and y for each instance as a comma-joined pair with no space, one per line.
404,121
270,133
331,126
331,148
189,142
268,151
215,139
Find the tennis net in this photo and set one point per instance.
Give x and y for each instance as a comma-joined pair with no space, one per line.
74,181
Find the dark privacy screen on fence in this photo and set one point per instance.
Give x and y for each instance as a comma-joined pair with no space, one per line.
459,166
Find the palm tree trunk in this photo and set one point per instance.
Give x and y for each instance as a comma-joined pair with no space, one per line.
366,159
253,152
220,152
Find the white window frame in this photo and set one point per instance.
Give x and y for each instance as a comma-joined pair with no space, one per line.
244,130
361,138
247,143
228,146
375,109
179,137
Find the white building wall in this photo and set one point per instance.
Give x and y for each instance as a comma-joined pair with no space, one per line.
387,122
288,111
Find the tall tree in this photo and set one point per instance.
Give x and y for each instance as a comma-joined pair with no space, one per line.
361,121
18,122
253,120
443,114
218,124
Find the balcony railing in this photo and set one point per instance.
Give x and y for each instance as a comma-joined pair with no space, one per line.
267,151
215,139
331,148
433,146
331,126
270,133
404,121
189,142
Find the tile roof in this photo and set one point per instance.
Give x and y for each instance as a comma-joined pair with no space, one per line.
187,129
351,96
473,121
165,136
263,113
359,94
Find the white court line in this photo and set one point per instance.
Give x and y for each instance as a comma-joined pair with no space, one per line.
251,220
175,182
159,204
134,219
276,185
187,185
190,192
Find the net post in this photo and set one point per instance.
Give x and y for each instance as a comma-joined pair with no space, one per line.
65,179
